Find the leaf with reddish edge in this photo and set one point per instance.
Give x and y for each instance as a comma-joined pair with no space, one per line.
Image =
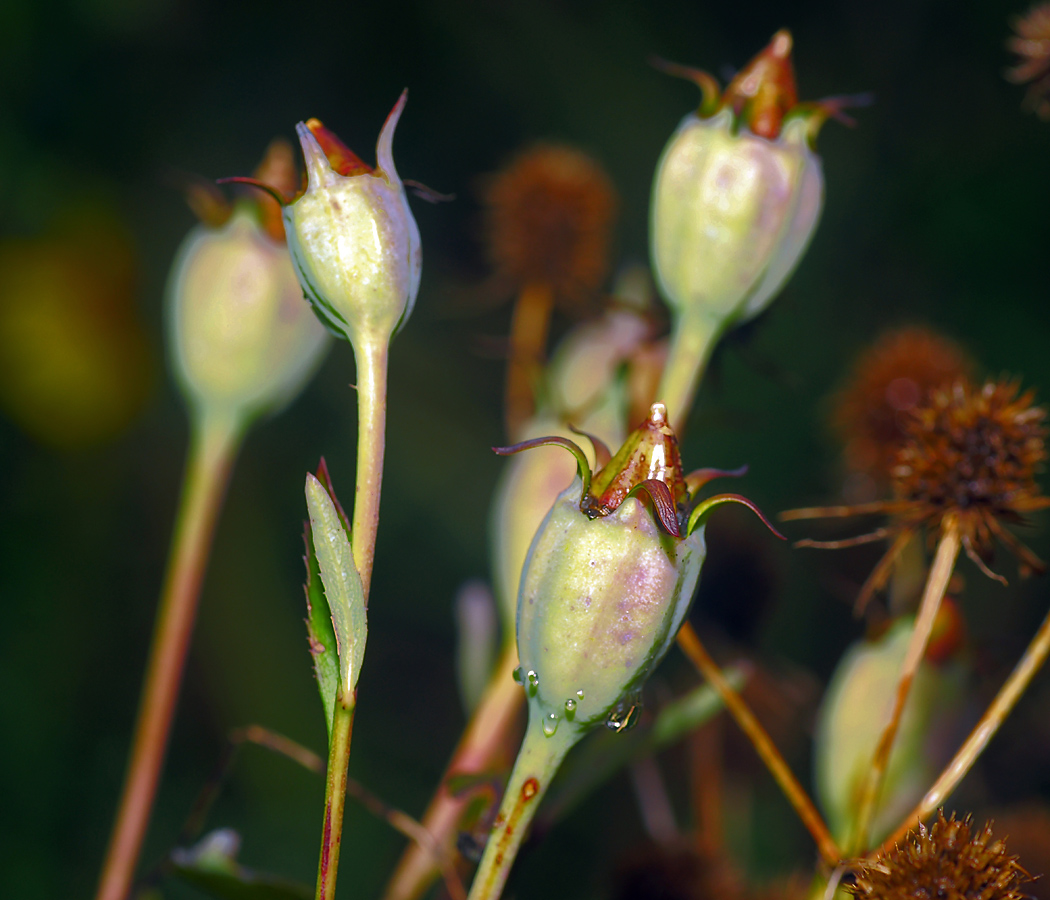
554,441
700,513
663,504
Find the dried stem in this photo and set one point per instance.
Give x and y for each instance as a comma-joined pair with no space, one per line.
480,749
211,455
936,585
689,642
528,340
1011,691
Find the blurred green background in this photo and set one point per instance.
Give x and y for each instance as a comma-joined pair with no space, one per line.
937,211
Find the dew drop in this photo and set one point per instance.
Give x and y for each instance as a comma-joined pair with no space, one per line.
519,675
534,681
550,724
579,695
570,709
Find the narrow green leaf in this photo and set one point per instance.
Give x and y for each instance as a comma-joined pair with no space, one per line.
212,867
320,632
342,584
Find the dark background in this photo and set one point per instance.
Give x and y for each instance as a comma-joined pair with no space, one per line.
936,212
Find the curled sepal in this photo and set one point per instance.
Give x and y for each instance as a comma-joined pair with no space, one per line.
342,586
554,441
663,504
602,453
699,477
702,510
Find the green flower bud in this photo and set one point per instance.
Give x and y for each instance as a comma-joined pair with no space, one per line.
855,710
738,191
609,578
607,583
242,339
354,241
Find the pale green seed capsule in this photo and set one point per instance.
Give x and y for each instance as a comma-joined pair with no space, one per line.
731,215
242,339
355,243
601,601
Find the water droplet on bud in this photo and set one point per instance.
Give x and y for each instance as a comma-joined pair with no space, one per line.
519,675
534,682
570,709
550,724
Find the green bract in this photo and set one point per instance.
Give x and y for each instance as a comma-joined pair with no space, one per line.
353,239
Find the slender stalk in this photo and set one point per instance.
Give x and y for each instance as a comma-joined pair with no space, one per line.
994,716
335,797
692,341
528,339
371,442
689,642
371,359
534,768
936,585
212,449
479,750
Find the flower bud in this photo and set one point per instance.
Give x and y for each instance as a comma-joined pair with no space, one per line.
601,600
609,578
854,712
242,339
737,193
353,239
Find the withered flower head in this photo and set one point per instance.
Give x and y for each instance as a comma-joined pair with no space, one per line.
548,218
947,861
970,456
975,452
1032,44
890,379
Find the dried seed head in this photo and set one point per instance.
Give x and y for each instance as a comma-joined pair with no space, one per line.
548,219
974,452
946,861
889,380
1032,45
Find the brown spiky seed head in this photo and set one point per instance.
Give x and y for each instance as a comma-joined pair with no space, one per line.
974,451
1032,45
890,379
946,861
549,216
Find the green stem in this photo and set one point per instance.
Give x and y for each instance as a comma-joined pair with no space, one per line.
212,449
936,585
693,338
480,750
371,441
335,798
534,768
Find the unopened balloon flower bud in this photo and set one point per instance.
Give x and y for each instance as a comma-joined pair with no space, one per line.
354,241
738,191
854,712
243,340
607,583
